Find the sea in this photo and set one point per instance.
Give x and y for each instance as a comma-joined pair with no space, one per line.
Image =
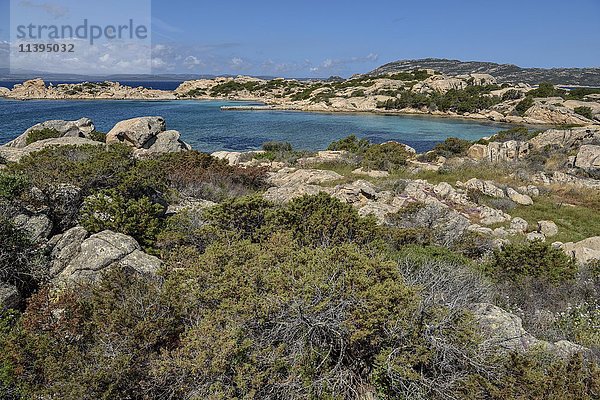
208,128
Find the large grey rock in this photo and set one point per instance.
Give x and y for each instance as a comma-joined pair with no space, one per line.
136,132
9,296
148,135
519,225
38,226
291,176
97,254
80,128
588,157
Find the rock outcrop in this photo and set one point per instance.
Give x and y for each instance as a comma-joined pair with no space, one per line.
77,259
588,157
511,150
146,135
566,138
13,154
583,251
80,128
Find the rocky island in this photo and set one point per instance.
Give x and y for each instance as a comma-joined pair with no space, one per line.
418,91
293,272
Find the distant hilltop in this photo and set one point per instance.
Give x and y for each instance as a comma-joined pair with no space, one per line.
504,73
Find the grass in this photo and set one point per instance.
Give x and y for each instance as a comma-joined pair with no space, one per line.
574,222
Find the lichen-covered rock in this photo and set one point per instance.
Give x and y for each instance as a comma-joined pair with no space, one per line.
75,259
486,187
9,296
37,226
588,157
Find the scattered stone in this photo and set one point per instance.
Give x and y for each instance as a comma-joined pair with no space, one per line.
519,198
519,225
533,236
547,228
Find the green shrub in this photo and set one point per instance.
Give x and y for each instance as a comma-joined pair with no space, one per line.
524,105
41,134
584,112
88,167
512,94
21,263
351,144
546,89
12,185
358,93
98,136
389,156
451,147
323,221
519,133
517,262
108,209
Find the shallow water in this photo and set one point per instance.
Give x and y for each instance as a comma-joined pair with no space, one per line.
207,128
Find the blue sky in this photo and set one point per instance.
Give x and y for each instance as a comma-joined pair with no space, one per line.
333,37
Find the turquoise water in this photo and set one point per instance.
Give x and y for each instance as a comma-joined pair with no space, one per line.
207,128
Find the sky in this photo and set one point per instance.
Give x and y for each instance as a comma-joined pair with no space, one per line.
312,38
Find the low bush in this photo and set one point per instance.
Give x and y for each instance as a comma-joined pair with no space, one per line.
351,144
512,94
524,105
98,136
41,134
389,156
584,112
517,262
22,264
519,133
451,147
12,185
109,209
